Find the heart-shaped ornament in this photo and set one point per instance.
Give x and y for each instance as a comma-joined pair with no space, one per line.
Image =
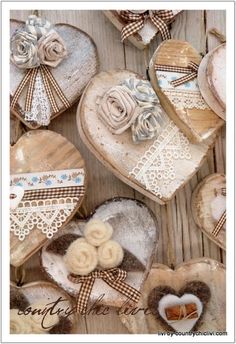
209,208
141,26
122,122
212,80
70,77
49,175
190,298
16,195
129,219
41,308
173,72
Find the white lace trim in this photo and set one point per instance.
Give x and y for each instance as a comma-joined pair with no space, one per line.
45,215
186,99
41,109
155,170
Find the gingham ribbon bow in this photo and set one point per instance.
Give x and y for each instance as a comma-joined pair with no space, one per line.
190,71
136,22
113,277
50,86
222,219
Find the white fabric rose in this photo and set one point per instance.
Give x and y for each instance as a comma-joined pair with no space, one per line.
24,52
110,254
81,257
117,109
51,49
96,232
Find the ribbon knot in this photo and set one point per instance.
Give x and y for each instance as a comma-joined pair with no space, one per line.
191,72
136,22
113,277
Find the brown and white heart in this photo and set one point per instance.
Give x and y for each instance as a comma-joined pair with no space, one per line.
46,189
173,72
45,63
141,26
99,255
180,311
40,308
122,122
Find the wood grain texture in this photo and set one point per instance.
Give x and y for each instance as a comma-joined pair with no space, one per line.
180,239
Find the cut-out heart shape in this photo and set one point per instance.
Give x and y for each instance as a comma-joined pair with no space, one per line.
208,205
211,80
129,219
157,168
172,60
16,195
72,74
42,298
146,34
200,279
52,173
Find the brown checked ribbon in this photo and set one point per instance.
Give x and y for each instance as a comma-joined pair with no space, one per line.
222,219
113,277
190,71
136,21
51,87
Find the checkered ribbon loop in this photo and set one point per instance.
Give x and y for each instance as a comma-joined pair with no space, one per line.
136,21
191,72
113,277
50,84
222,219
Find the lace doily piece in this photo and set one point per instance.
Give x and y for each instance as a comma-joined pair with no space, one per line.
186,96
40,109
45,215
155,170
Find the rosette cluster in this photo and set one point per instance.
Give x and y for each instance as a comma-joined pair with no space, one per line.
37,43
135,105
94,250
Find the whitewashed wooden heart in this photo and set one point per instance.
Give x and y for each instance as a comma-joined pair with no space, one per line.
166,280
16,195
30,294
72,74
134,163
130,219
42,162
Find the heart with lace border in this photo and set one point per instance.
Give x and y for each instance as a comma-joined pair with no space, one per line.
129,218
72,74
48,181
157,167
38,298
182,100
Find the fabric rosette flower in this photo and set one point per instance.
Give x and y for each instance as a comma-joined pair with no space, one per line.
37,26
147,124
51,49
24,52
118,109
110,254
96,232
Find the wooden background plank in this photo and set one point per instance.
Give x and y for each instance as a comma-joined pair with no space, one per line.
179,239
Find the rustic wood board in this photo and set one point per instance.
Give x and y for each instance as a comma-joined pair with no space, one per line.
180,238
72,74
205,270
50,152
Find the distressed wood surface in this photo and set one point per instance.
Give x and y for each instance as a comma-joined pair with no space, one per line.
180,239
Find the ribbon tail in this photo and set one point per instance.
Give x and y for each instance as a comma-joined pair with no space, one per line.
162,27
131,28
30,90
219,224
184,79
84,295
125,289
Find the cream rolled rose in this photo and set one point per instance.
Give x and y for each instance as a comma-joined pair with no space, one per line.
110,254
81,257
51,49
24,52
19,324
97,232
118,109
39,318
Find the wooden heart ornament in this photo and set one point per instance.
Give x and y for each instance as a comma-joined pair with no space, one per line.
41,308
125,219
141,26
122,122
48,180
50,75
209,208
173,73
190,298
